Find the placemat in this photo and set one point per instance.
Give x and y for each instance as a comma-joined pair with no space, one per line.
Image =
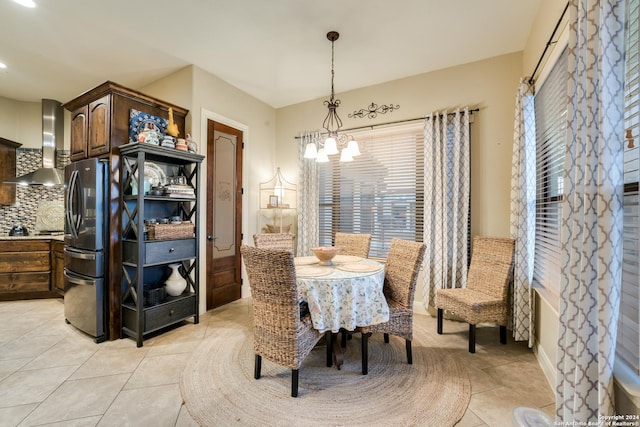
313,271
341,259
305,260
358,267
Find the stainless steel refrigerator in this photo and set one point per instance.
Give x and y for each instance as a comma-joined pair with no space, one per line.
86,251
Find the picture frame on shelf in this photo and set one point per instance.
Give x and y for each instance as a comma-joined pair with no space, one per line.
273,201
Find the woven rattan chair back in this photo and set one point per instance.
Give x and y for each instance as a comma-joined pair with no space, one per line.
274,241
353,244
491,266
400,277
401,271
485,298
280,334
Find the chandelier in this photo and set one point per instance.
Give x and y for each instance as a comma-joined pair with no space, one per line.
332,124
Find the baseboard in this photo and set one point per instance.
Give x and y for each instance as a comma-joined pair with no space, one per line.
418,307
548,368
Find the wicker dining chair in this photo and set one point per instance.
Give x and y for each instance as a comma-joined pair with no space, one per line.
400,277
486,295
281,334
274,241
353,244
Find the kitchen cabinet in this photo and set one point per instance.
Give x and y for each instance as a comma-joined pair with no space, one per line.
57,266
149,249
25,267
100,118
78,138
7,170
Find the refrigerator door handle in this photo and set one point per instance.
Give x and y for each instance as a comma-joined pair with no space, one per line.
77,280
79,254
71,209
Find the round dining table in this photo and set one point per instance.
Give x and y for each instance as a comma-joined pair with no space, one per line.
344,295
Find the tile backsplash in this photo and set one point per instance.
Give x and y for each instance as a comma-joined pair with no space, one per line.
23,211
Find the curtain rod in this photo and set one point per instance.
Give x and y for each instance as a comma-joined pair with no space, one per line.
390,123
549,43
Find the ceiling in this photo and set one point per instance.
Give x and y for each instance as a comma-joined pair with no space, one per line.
275,50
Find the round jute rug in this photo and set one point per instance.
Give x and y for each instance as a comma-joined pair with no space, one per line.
219,389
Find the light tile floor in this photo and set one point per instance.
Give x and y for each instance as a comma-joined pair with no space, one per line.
53,375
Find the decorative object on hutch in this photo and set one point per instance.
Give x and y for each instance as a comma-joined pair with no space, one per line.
167,253
172,127
175,283
278,199
332,124
144,127
192,146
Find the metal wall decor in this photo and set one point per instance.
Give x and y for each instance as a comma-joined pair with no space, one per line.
373,110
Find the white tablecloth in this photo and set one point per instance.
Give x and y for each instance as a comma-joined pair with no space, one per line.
345,299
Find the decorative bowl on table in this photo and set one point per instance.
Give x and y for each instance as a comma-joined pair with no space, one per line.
325,254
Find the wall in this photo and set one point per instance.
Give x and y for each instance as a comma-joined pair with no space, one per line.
22,122
489,85
208,97
24,210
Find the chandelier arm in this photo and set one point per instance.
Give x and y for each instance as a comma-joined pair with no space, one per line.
333,73
332,123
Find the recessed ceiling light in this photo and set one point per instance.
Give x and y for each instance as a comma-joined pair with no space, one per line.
25,3
2,65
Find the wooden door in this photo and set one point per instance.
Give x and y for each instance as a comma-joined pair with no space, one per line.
224,214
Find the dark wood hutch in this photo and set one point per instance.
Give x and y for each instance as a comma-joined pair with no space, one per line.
99,125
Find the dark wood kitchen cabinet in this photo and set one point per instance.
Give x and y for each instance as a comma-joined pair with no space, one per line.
100,118
78,138
57,266
90,129
7,170
25,267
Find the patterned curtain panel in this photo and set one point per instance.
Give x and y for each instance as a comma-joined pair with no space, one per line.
308,198
523,211
592,214
446,211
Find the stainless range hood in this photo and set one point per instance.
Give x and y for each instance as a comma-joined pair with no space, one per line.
52,137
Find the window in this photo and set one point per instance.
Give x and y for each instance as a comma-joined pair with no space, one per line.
628,339
380,193
550,103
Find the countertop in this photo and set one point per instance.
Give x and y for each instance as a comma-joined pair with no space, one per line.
59,237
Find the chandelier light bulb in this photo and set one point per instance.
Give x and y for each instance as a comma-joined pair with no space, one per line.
322,156
330,146
311,151
353,147
345,156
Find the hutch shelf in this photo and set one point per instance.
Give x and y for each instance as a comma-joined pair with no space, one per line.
147,256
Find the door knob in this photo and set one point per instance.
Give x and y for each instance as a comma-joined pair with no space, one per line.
210,238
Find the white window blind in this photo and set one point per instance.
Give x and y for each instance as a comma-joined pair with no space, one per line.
550,103
628,339
380,193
